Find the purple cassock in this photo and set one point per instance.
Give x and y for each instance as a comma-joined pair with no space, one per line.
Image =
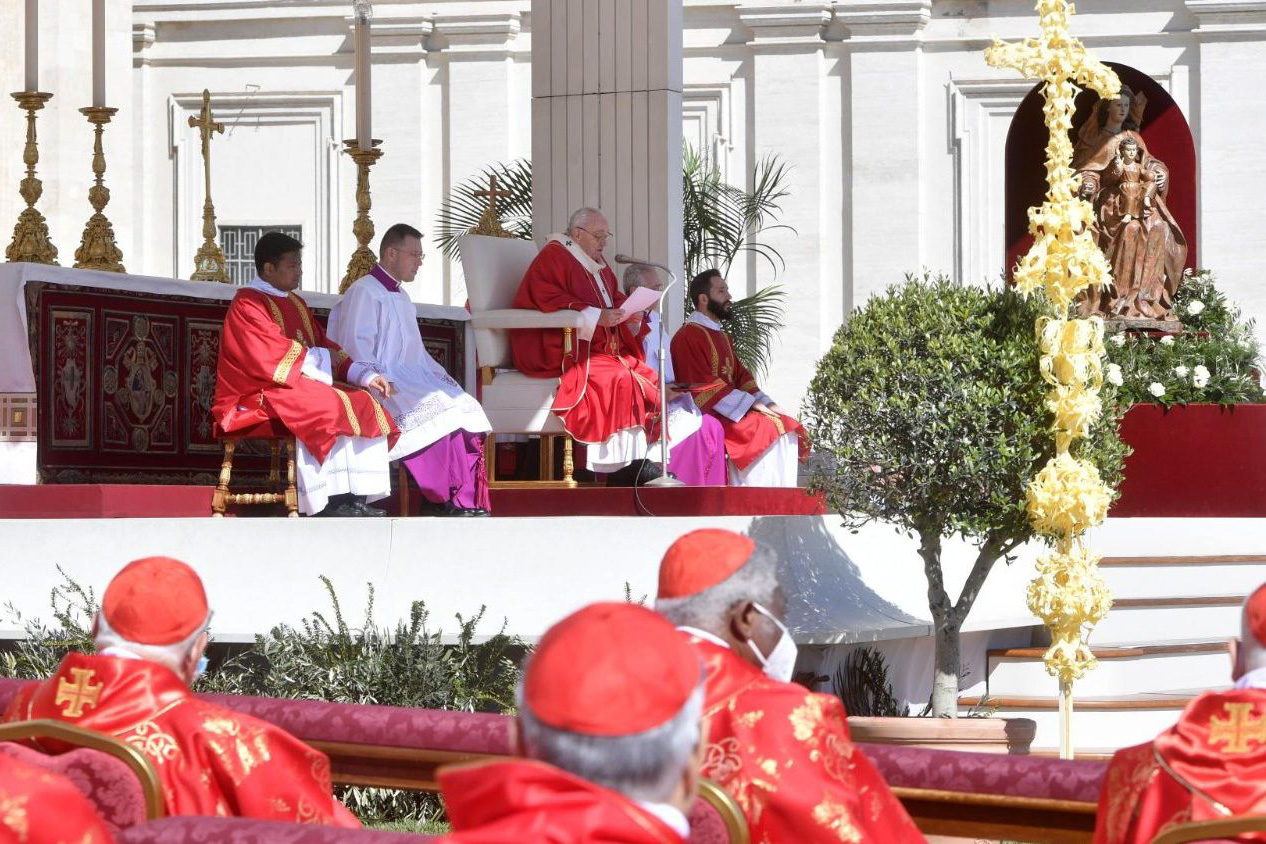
699,460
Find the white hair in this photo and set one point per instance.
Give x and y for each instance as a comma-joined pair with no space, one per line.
643,766
756,580
635,276
581,216
171,656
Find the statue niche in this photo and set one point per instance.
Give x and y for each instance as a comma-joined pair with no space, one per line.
1128,188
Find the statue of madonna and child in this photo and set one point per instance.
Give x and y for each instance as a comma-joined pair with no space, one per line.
1136,231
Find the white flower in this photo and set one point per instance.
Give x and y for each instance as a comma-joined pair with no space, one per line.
1200,376
1181,371
1194,307
1167,340
1117,339
1156,388
1114,375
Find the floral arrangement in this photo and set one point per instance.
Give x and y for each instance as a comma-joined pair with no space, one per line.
1068,496
1215,359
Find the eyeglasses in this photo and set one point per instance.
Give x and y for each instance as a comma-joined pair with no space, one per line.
601,238
415,255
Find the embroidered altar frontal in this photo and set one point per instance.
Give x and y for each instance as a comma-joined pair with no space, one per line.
124,382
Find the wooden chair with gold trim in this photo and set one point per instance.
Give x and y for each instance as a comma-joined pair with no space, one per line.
1222,829
731,815
514,403
77,737
282,490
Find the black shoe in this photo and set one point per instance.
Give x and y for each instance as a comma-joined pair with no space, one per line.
363,509
341,510
636,473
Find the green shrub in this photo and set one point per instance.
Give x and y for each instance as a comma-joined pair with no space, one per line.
38,654
1215,359
932,407
862,685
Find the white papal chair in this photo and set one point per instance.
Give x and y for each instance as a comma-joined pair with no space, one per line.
515,403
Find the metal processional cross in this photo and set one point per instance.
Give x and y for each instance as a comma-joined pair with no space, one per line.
209,263
490,223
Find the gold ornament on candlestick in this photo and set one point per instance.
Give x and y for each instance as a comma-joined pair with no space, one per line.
363,259
97,250
209,263
30,235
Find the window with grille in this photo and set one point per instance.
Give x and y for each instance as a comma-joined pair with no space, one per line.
238,243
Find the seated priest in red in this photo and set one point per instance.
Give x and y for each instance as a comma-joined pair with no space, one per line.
442,427
763,444
1211,765
782,752
42,807
150,635
608,398
276,363
609,725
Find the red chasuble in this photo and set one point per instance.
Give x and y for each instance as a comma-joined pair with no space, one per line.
258,377
604,385
524,800
41,807
784,754
705,362
1210,765
211,760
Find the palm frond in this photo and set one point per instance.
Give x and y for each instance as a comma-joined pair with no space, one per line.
462,210
754,325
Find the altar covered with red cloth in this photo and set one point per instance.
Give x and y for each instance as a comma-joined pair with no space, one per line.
122,369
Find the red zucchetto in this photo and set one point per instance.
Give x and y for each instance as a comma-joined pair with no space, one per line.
610,669
155,601
700,560
1255,614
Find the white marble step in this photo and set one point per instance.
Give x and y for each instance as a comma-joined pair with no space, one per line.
1158,577
1100,723
1121,671
1204,618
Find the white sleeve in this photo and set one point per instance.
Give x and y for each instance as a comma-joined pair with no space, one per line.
360,373
735,405
355,323
590,315
316,365
764,398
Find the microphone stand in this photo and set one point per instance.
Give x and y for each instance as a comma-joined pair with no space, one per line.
664,479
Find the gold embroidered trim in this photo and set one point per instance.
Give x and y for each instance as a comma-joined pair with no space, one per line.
337,357
383,425
1195,791
282,373
351,414
276,312
704,396
303,315
716,360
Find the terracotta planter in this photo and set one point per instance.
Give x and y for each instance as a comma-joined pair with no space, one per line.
978,735
1194,460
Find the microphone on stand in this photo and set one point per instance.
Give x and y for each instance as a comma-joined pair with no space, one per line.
664,479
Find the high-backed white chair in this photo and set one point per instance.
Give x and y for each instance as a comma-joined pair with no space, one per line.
515,403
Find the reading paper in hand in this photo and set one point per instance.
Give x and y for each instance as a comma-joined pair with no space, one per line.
639,300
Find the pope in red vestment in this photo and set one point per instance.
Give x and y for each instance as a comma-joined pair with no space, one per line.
782,752
259,376
41,807
1211,765
605,386
211,760
609,683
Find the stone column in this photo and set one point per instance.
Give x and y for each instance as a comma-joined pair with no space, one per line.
791,105
886,99
606,123
1227,118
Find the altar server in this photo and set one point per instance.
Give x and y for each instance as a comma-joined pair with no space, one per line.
150,635
608,398
442,428
782,752
42,807
276,363
609,710
1208,766
763,444
696,444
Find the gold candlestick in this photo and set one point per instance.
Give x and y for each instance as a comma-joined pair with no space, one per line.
363,259
97,250
30,235
210,264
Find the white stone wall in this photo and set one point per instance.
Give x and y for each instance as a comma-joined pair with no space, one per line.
892,122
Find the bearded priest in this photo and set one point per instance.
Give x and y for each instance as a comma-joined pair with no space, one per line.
1211,765
442,428
150,636
782,752
763,444
276,363
608,398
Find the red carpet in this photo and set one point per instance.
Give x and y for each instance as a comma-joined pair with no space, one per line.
103,501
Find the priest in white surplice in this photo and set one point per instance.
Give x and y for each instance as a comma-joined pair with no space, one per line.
442,428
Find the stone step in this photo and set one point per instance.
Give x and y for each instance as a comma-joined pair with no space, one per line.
1100,723
1154,577
1205,617
1125,670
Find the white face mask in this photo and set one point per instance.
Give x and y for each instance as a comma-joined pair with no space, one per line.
781,662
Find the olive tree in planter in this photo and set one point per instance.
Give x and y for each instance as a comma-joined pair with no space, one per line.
931,403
